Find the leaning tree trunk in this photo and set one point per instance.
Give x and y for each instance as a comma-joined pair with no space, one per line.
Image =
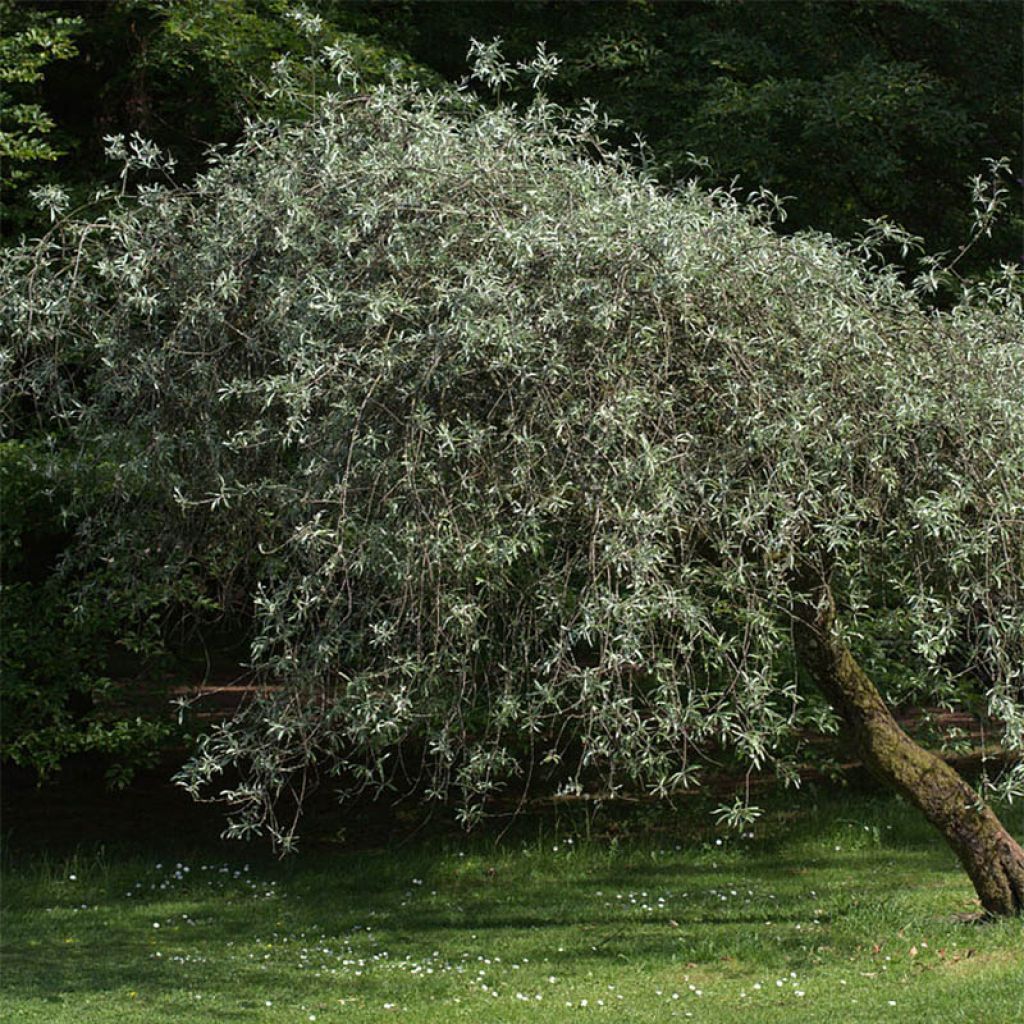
992,858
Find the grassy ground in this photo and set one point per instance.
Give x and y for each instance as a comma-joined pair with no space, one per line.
845,914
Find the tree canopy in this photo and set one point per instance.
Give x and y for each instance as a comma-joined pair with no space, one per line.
516,462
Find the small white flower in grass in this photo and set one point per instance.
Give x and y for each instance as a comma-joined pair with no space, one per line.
73,878
156,924
892,1002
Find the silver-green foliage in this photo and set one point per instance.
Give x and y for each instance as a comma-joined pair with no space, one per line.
516,455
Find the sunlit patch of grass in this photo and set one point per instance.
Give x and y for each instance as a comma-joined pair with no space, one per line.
848,915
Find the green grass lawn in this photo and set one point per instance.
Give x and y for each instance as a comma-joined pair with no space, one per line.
846,914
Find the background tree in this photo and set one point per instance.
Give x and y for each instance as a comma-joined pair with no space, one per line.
58,697
516,460
32,40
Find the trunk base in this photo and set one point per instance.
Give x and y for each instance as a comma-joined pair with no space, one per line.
992,858
1001,889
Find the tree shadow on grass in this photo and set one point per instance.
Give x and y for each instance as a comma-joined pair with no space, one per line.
531,901
330,902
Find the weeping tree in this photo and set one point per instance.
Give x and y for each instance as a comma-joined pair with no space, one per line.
515,462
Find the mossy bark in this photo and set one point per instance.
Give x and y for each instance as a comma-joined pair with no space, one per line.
992,858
